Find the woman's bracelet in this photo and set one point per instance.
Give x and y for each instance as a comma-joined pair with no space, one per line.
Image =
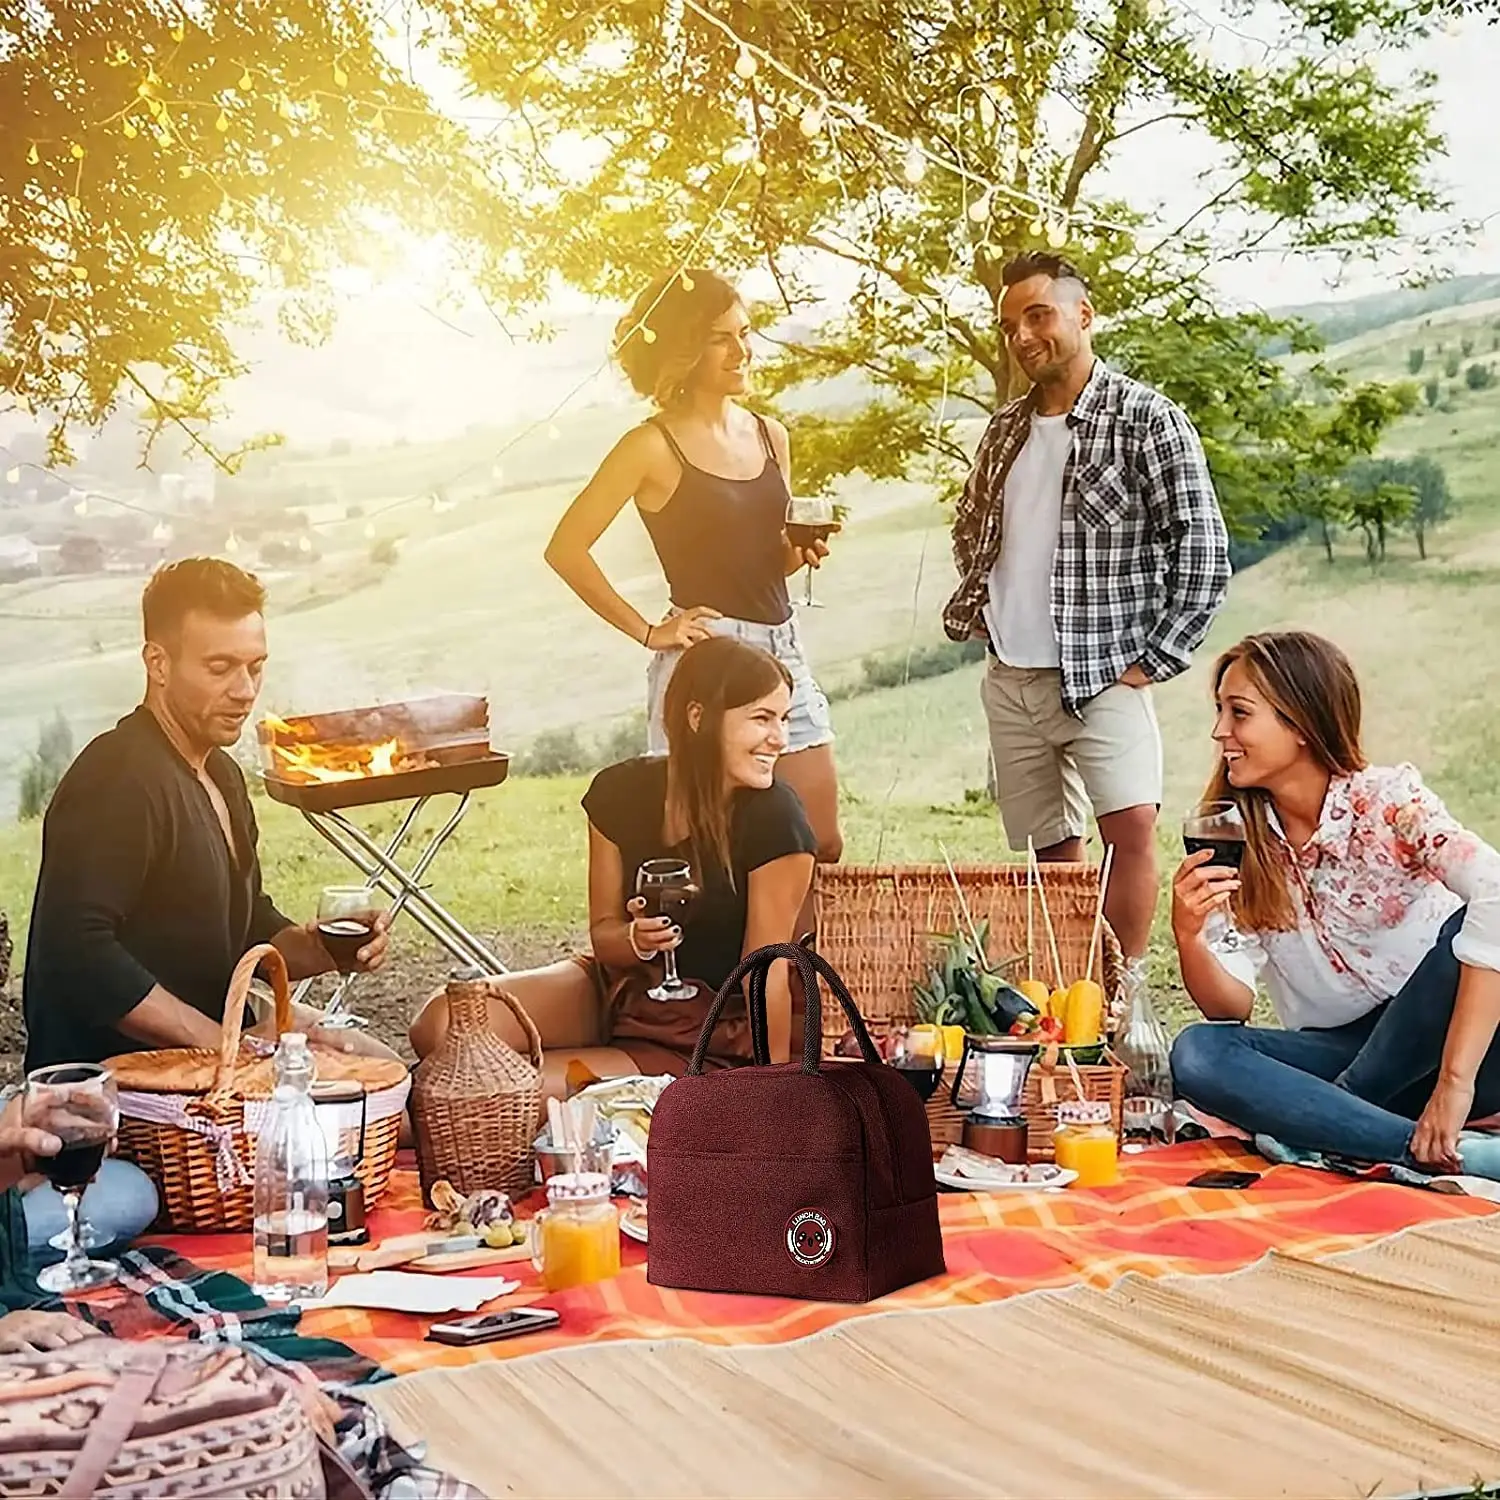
646,639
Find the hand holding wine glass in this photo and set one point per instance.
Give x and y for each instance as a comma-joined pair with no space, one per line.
350,920
667,889
810,522
77,1104
1217,831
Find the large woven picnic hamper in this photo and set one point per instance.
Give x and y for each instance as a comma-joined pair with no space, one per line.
878,926
190,1117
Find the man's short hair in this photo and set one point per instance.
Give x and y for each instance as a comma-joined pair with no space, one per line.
1031,263
207,583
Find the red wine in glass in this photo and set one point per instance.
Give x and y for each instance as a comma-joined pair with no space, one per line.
343,937
668,889
923,1077
77,1164
1227,850
810,520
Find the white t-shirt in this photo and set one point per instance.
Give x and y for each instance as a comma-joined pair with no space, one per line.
1019,609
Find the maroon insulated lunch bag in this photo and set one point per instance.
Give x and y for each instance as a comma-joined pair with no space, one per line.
799,1179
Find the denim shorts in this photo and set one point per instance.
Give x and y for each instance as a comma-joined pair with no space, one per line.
809,724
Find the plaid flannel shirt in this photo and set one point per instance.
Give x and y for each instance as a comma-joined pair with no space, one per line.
1142,561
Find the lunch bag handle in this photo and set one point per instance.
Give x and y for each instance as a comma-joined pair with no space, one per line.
754,968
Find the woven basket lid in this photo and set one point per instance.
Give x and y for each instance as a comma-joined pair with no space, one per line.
191,1070
236,1070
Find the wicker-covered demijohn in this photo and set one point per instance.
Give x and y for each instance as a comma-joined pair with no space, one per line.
877,925
190,1117
474,1099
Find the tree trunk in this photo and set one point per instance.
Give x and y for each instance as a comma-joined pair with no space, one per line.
1380,534
1421,541
1327,542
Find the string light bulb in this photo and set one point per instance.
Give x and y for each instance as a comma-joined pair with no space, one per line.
758,167
687,282
246,81
31,155
179,32
553,431
745,64
231,544
304,544
369,531
987,112
1057,233
648,335
13,476
497,473
222,123
1035,228
76,151
979,209
812,120
340,77
161,532
914,168
82,507
130,131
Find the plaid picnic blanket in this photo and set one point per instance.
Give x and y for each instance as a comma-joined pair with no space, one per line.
997,1245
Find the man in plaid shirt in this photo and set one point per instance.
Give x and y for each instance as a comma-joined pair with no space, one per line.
1092,558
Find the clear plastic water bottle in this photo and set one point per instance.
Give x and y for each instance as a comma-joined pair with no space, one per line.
291,1185
1144,1049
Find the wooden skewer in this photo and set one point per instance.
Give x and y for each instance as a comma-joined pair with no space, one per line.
1030,960
1041,895
1109,859
963,907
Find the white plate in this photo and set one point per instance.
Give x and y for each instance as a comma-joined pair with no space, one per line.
989,1185
632,1229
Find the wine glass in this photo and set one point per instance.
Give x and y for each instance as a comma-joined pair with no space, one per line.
809,520
666,886
346,921
917,1054
77,1103
1218,826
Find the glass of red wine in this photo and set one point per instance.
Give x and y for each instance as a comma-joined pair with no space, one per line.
1219,828
346,921
77,1103
810,520
917,1054
667,888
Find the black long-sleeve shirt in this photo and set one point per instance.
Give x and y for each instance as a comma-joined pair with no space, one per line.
138,888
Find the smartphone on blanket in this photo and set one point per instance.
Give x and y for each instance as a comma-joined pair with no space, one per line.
1224,1180
490,1326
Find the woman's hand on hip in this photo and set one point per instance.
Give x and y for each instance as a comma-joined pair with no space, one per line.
1199,888
650,936
678,632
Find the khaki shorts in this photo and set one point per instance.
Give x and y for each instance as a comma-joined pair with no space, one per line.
1051,767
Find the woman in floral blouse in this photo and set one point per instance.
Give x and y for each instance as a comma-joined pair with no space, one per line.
1371,916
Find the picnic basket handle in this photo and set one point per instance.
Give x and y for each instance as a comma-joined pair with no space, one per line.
810,965
533,1036
234,1011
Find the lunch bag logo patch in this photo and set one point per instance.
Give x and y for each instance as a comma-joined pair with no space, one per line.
810,1238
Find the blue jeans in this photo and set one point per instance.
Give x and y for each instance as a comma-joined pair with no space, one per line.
1353,1091
120,1202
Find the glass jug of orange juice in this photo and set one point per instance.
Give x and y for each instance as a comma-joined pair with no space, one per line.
576,1238
1085,1142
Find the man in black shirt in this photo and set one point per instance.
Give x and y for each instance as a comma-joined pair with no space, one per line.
150,886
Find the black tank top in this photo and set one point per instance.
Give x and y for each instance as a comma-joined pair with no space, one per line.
720,540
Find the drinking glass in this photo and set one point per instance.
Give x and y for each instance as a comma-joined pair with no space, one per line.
807,521
77,1103
917,1054
346,920
667,888
1217,826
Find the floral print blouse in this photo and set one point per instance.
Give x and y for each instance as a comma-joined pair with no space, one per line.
1386,867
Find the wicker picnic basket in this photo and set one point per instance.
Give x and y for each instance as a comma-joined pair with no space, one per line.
474,1099
190,1117
878,925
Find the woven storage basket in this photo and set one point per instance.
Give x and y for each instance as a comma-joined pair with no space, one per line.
474,1099
878,925
189,1117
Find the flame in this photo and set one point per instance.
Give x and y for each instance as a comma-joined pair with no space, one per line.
339,762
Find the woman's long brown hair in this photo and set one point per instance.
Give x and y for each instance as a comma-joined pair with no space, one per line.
1312,687
714,676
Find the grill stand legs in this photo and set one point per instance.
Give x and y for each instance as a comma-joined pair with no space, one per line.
382,872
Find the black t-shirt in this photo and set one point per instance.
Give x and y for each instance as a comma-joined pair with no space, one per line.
137,888
627,803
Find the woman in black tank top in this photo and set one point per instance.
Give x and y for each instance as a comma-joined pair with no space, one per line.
710,481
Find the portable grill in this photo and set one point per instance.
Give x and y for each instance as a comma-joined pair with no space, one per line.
323,764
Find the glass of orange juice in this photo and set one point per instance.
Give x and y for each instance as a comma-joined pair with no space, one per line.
1085,1142
576,1238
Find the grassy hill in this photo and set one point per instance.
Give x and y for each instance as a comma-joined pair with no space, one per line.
470,605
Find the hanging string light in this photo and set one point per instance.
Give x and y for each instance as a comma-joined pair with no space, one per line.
745,64
914,167
811,121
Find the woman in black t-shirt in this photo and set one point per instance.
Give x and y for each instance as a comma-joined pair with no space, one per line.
713,800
